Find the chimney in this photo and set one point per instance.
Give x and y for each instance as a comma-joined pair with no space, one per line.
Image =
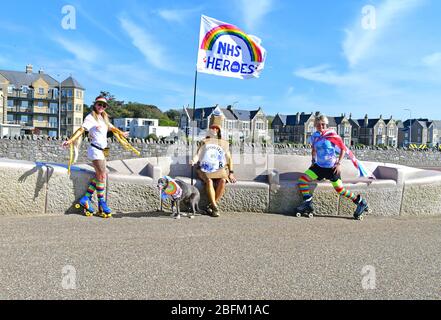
381,116
366,120
298,118
29,68
350,115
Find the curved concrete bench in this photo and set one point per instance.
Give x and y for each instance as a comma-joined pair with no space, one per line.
266,183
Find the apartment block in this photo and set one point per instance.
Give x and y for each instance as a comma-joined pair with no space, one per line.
32,100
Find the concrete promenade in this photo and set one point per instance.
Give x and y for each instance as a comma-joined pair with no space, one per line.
236,256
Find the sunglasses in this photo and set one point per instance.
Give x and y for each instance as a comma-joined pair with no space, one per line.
99,104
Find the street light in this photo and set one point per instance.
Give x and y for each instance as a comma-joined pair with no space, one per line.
59,107
410,126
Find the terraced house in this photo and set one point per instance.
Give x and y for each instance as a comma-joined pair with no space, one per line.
31,100
298,128
239,125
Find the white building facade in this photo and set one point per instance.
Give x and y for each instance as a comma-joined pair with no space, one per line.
142,128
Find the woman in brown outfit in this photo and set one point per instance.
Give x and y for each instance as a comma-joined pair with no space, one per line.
214,163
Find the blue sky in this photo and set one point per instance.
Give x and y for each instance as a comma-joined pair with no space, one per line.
320,54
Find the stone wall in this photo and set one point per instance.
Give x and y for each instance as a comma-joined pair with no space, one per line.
46,149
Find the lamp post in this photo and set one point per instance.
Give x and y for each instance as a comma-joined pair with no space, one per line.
410,126
59,107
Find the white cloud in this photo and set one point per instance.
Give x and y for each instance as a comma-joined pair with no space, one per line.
153,52
386,71
82,50
177,15
324,74
253,12
360,43
432,60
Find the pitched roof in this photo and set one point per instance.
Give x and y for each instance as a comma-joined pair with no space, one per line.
71,83
436,124
407,122
282,118
371,123
242,115
354,123
291,120
19,78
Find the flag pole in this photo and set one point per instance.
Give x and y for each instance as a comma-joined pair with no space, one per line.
193,123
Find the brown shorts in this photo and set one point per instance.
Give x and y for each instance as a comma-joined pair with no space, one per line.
220,174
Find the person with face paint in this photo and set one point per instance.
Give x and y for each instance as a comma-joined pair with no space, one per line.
214,163
328,150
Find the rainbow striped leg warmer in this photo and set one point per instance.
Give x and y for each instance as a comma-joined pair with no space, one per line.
91,188
304,182
100,190
338,186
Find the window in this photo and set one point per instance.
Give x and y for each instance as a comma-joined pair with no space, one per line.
11,89
41,91
380,130
10,103
40,118
347,128
40,104
52,133
78,107
244,125
69,92
24,119
68,121
128,123
10,118
53,107
78,121
79,94
25,104
154,130
24,89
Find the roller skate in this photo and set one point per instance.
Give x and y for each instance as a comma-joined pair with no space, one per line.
103,210
305,209
362,207
86,203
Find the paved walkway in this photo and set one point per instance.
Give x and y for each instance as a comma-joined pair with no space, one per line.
237,256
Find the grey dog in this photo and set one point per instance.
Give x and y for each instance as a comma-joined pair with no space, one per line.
190,194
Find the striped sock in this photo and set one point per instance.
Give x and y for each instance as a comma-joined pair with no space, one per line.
100,190
338,186
91,188
303,183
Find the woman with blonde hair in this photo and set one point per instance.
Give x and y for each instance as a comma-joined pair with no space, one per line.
328,150
97,124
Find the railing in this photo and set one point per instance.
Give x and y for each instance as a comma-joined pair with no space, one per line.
19,109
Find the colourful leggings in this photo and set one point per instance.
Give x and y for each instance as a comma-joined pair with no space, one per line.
100,188
310,176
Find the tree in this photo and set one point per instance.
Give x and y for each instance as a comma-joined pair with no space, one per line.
173,114
153,137
270,120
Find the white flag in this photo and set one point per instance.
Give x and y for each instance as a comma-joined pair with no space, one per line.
227,51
